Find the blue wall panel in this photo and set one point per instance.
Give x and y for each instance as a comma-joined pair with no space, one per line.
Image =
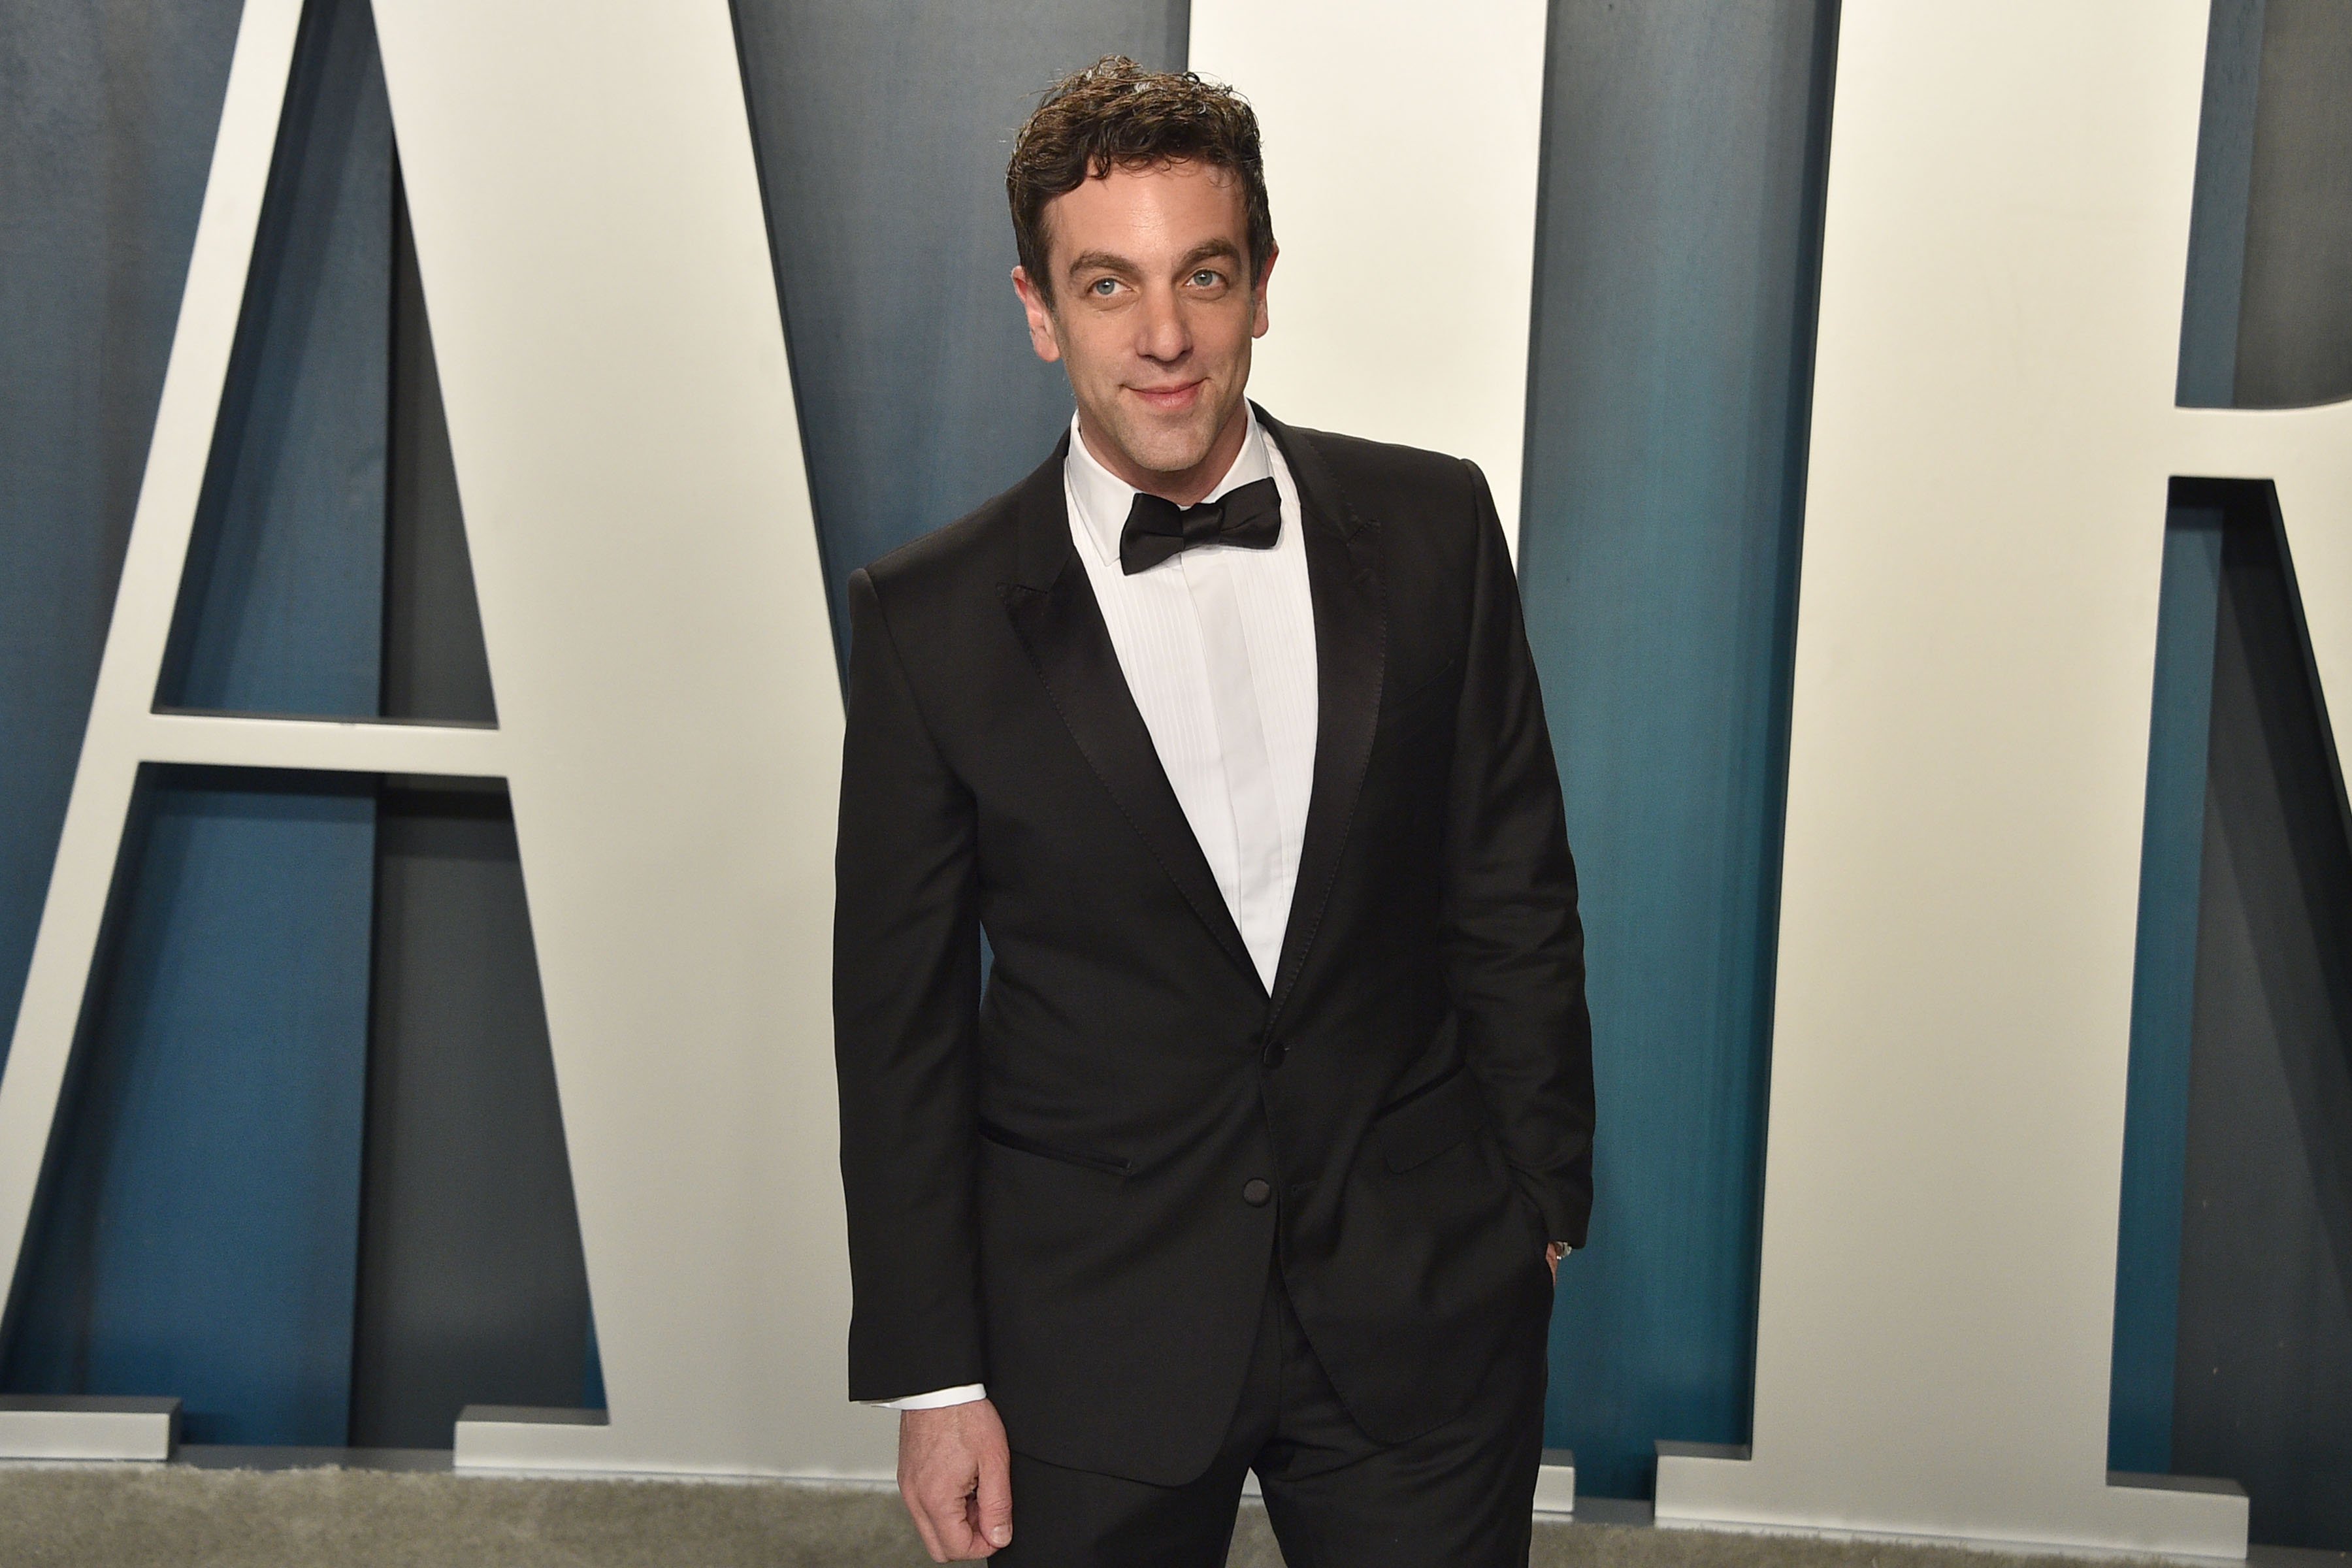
2262,1370
2217,224
883,131
1684,157
200,1225
107,113
280,605
2164,990
200,1232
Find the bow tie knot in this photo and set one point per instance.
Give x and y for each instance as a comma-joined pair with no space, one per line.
1248,515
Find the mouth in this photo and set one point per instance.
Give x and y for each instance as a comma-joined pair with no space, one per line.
1170,399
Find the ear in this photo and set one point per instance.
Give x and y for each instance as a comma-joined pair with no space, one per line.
1258,320
1041,317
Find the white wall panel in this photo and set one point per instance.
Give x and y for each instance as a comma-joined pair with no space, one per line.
1993,431
603,313
1402,145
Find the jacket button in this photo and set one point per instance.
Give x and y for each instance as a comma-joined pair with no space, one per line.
1274,1054
1256,1193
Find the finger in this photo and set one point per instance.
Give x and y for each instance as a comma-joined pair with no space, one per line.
921,1516
980,1546
951,1521
994,1496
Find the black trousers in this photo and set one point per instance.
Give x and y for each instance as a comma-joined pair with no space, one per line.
1461,1496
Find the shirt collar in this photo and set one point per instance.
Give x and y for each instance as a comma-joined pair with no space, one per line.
1102,498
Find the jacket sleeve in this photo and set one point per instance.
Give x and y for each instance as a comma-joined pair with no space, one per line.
905,997
1514,945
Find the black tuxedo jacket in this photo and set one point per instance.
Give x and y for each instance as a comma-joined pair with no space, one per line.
1071,1186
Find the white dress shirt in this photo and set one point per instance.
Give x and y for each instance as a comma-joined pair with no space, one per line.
1217,644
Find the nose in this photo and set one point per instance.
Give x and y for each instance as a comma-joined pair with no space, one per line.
1160,332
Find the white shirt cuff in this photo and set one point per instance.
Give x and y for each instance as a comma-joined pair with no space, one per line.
939,1398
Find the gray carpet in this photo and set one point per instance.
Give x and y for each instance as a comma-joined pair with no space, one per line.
131,1515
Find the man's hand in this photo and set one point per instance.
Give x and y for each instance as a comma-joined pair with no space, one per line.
1553,1253
955,1473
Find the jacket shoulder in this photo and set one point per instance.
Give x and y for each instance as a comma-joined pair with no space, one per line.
974,552
1386,481
952,552
1354,456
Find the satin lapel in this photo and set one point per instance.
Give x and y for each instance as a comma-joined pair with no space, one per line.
1347,578
1054,612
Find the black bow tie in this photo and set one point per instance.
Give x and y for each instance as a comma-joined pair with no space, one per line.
1249,515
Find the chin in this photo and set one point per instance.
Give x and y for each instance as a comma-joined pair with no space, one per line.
1166,450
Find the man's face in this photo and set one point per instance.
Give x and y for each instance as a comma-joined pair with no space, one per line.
1152,315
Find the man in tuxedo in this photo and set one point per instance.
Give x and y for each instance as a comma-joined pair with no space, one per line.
1262,1144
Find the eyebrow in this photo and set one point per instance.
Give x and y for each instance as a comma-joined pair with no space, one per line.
1103,259
1212,249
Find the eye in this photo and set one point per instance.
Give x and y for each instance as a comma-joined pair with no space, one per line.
1103,288
1208,278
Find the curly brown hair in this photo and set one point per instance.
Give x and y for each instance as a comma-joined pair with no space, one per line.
1115,112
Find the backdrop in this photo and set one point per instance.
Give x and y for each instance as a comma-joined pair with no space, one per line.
252,1203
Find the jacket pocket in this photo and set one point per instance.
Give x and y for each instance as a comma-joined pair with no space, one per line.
1434,1119
1006,1138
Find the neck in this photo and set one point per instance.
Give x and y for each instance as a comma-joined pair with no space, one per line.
1183,486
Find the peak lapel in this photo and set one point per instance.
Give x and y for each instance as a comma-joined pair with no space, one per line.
1347,578
1054,612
